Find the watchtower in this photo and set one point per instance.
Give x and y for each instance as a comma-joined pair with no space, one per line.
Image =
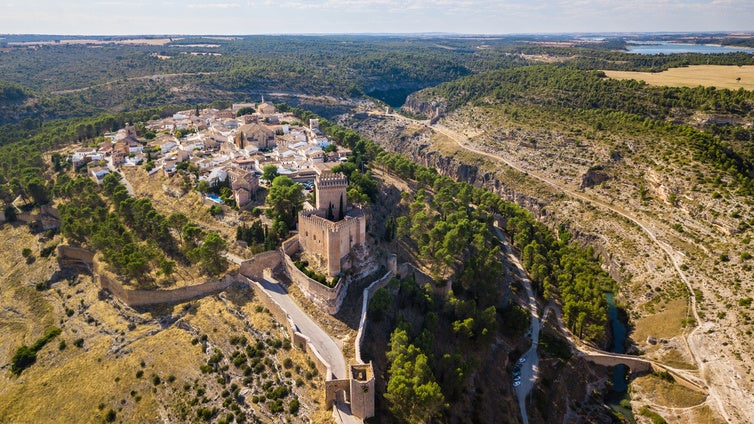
330,191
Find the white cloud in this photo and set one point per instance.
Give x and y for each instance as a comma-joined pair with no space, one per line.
214,6
311,16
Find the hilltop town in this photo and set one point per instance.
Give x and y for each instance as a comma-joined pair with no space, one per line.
239,150
235,143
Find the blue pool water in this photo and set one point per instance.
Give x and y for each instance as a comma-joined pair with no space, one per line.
215,198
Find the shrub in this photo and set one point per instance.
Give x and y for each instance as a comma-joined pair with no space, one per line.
215,210
25,252
139,374
110,416
22,359
47,251
294,406
654,416
78,342
25,356
275,407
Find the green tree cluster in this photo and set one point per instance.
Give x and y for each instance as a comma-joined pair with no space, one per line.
412,391
285,200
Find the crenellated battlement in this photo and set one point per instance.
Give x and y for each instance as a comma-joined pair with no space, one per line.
330,180
332,226
330,193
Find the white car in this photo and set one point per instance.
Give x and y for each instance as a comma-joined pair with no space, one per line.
521,360
516,383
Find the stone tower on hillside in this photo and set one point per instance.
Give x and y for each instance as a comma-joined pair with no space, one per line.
330,192
331,230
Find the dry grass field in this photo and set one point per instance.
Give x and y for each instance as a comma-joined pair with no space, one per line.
666,322
667,394
143,365
720,76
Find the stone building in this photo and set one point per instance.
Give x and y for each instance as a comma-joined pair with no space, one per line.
244,185
256,135
331,230
265,108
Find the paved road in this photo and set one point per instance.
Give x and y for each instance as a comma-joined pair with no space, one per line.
325,345
529,368
123,179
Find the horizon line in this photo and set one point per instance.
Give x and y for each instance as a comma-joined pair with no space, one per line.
424,33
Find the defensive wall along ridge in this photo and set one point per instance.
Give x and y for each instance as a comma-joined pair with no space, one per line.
355,384
74,257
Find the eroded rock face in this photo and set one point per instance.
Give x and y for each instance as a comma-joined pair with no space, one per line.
594,176
430,109
415,145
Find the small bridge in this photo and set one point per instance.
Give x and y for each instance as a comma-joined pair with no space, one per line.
639,365
636,364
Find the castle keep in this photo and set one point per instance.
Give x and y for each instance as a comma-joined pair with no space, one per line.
331,230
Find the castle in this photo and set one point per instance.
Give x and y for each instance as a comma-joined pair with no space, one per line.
329,231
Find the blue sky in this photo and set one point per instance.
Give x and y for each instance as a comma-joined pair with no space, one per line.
371,16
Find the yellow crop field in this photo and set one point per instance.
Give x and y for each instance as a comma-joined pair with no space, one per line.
720,76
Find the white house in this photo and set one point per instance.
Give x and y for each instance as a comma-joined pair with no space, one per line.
215,175
98,173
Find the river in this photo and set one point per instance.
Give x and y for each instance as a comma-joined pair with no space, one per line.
619,390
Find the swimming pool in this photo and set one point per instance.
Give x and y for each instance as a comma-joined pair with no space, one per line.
215,198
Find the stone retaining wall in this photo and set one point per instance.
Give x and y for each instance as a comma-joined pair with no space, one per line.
407,270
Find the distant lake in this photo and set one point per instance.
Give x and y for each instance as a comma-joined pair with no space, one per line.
657,47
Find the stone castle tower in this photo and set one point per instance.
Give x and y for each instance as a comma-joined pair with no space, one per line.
331,230
330,192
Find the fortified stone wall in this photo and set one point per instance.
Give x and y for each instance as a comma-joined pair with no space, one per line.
254,268
368,292
326,298
297,338
69,256
291,245
135,298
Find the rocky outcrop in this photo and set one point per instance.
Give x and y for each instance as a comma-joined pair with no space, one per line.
594,176
430,109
